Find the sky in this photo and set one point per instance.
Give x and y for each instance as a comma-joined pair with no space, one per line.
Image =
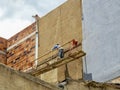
15,15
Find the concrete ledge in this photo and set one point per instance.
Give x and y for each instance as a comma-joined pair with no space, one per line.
29,77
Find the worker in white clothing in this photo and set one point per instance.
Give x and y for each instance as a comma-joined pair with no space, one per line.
60,50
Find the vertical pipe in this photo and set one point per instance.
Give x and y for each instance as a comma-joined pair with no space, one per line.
37,37
36,45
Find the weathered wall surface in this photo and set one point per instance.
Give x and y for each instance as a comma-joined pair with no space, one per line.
13,80
60,26
101,31
90,86
21,48
3,47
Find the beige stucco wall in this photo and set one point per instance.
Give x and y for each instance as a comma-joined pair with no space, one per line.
60,26
13,80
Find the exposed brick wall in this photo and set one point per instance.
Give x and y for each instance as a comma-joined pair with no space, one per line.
3,46
19,56
14,39
2,58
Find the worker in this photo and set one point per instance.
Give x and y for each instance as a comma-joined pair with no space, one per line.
60,50
57,46
74,43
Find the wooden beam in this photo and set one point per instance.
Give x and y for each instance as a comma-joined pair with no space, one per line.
59,63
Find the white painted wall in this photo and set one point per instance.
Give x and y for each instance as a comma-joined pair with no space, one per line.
101,42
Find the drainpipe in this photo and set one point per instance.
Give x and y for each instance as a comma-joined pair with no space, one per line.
37,37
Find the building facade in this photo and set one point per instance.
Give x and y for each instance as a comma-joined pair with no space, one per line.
62,25
101,38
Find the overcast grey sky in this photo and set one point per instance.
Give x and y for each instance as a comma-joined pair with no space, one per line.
15,15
